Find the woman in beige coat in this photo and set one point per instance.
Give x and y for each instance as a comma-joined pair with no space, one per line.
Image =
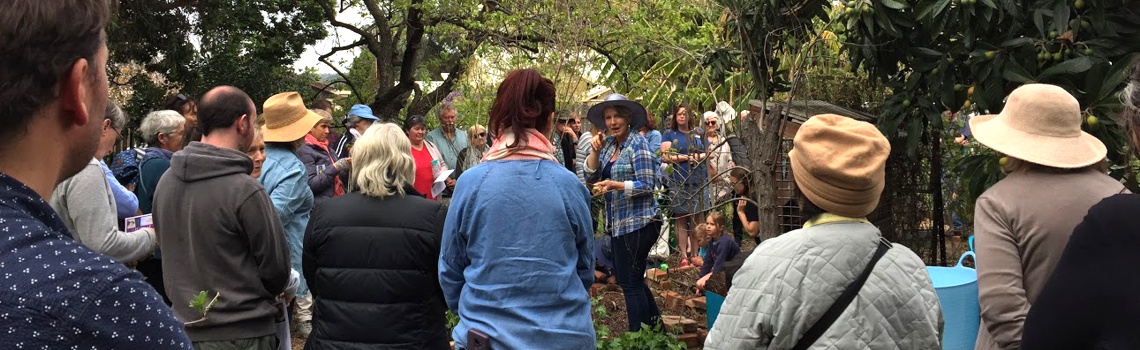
1055,173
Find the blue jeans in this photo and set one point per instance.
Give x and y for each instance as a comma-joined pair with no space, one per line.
629,253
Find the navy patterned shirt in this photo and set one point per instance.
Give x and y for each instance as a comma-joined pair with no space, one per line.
56,293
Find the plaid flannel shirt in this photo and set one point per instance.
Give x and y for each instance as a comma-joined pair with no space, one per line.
633,208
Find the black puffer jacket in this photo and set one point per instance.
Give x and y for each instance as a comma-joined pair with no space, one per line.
372,266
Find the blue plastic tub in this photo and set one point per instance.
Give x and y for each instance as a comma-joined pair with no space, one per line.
957,289
713,302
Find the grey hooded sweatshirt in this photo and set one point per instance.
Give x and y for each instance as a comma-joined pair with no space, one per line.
219,234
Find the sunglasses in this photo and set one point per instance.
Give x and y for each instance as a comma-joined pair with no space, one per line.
482,134
710,123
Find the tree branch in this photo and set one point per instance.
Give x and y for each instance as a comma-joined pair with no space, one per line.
343,76
369,39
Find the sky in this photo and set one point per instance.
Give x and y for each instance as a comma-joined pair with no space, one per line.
337,37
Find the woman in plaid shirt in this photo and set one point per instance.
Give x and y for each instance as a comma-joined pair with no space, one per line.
625,168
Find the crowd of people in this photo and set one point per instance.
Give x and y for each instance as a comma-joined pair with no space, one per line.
365,239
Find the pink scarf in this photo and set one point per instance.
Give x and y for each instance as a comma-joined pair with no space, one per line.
535,147
338,189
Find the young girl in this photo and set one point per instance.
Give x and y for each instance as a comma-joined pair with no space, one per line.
747,218
720,247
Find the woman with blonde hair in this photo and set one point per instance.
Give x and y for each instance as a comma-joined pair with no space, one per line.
364,268
472,155
1056,172
1090,302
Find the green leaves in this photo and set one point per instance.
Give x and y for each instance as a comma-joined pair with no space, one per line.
199,302
930,8
648,338
895,4
1072,66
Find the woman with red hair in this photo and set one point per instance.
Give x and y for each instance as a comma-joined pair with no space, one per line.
517,254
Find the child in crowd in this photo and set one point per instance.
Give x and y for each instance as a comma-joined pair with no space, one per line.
702,238
719,249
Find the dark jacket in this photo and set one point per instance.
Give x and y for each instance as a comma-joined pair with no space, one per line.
1090,302
322,174
343,145
374,278
220,234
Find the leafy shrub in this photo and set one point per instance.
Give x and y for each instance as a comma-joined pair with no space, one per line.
648,338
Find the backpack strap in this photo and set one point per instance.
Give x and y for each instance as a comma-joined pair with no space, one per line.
816,331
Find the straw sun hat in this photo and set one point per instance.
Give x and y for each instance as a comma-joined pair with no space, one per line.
1040,124
286,118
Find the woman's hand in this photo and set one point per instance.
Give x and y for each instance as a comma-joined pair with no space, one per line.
596,143
740,205
607,185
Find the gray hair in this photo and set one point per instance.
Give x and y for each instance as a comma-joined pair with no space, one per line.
160,122
116,115
446,106
351,121
382,163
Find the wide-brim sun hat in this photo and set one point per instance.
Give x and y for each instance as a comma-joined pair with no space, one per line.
1040,124
597,117
840,164
286,118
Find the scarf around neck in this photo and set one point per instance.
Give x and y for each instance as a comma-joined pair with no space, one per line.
535,147
338,188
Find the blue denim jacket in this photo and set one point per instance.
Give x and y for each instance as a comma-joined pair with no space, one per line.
286,181
517,256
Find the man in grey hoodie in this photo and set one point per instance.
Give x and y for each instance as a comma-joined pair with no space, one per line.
219,232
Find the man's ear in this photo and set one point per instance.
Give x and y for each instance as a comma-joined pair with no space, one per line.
244,123
73,91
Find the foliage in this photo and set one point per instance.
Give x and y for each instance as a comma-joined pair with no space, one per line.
771,32
452,319
670,51
147,94
601,331
202,304
198,44
648,338
963,57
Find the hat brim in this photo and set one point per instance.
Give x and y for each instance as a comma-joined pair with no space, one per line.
596,116
292,132
1058,152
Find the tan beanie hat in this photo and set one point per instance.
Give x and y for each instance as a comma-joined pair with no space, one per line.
840,164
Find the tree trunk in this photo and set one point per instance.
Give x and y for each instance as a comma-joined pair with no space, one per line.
763,148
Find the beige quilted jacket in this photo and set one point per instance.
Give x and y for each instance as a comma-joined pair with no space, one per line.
790,281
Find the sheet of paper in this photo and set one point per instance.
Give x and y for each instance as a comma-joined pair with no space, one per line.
136,223
439,185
